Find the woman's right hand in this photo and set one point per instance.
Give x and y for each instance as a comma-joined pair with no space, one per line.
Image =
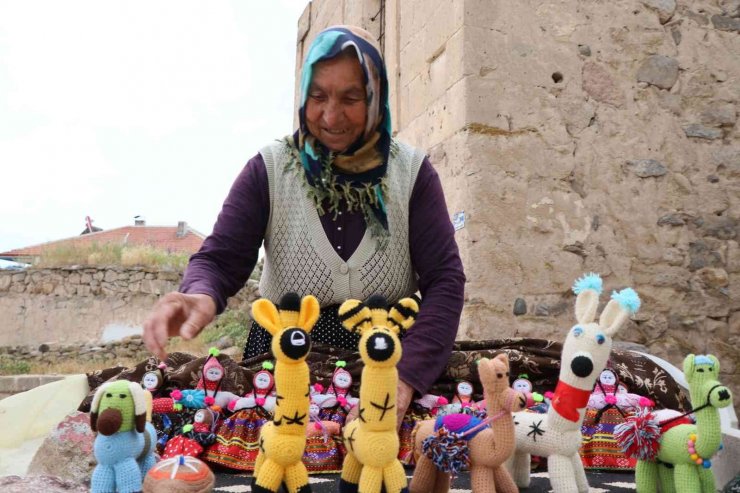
177,314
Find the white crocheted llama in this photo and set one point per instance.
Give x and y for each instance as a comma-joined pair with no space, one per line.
557,435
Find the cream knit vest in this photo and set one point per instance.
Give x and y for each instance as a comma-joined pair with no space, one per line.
299,257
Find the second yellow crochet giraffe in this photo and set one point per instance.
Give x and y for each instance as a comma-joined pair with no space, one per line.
371,440
283,439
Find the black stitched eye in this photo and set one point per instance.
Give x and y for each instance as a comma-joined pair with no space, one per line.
109,395
700,370
122,396
499,375
507,373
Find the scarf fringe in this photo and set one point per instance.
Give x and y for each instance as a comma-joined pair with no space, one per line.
360,198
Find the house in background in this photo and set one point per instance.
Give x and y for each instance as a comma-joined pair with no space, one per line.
172,239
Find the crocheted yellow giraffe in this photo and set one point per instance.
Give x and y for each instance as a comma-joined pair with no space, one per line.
372,439
283,440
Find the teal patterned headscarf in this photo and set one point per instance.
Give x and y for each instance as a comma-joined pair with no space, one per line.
362,191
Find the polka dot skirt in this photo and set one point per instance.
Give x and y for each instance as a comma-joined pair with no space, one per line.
328,330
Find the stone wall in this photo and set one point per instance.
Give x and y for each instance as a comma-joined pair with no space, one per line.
77,304
578,136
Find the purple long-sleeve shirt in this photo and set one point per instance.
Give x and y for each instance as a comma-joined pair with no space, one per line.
229,255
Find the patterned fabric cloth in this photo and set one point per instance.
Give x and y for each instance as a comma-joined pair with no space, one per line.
600,449
237,440
369,155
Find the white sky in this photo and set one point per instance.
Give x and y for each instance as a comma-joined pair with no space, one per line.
114,109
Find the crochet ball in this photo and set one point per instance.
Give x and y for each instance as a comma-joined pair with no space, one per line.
180,474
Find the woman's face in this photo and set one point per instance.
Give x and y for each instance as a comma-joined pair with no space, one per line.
336,108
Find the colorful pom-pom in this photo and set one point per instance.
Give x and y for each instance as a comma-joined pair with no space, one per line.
267,365
187,428
627,299
214,351
639,435
590,281
340,364
447,451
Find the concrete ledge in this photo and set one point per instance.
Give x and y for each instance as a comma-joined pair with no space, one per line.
15,384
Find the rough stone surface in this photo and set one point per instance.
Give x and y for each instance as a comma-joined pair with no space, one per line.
699,131
36,303
520,306
45,484
718,113
600,85
730,7
67,452
726,23
664,8
659,70
473,86
646,168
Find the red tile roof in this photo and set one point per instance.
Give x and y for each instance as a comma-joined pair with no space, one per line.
159,237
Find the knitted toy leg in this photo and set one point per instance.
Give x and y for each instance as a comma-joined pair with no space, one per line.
103,479
425,476
646,476
258,461
482,480
296,478
504,481
706,476
665,476
580,474
269,478
351,470
561,474
686,479
128,476
371,479
394,477
520,464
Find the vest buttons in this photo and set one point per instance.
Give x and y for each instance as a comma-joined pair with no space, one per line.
343,268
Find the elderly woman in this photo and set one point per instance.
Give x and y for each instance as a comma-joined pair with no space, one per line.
344,210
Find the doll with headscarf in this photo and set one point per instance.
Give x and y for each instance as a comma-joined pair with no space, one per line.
610,392
335,401
237,437
262,394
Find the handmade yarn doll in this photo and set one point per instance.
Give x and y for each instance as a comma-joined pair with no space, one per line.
262,394
237,437
607,393
153,380
338,391
462,401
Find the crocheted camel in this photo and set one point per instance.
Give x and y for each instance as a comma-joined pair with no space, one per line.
372,440
557,435
283,439
682,464
488,446
125,441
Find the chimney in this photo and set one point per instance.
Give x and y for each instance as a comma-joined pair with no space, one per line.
182,229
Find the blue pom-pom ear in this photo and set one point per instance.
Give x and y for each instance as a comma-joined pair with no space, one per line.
627,299
589,281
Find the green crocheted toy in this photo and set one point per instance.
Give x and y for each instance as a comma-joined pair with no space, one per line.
683,462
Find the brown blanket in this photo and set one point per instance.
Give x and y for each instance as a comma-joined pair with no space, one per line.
538,358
